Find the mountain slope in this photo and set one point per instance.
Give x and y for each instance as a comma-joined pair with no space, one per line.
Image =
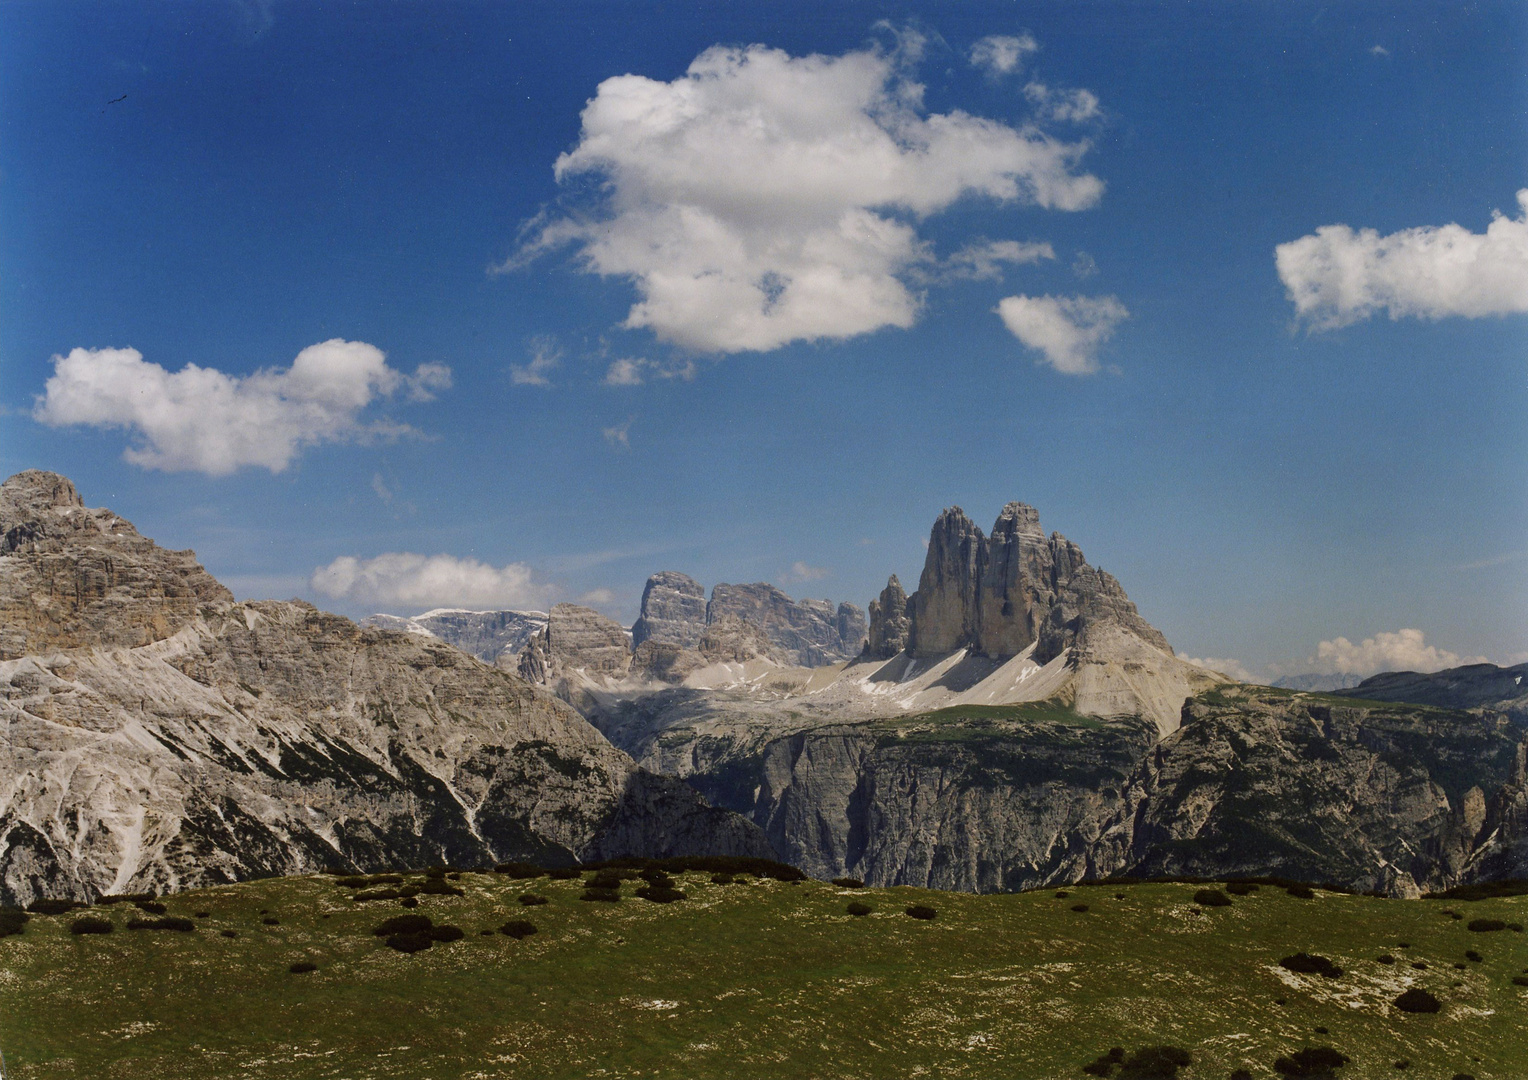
160,735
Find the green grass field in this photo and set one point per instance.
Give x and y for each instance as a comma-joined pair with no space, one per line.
760,978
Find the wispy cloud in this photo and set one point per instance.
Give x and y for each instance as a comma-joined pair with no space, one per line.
618,436
1225,665
800,571
545,355
1379,50
634,371
1494,560
998,55
1066,331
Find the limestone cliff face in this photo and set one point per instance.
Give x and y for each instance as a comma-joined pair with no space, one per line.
998,596
673,611
890,622
576,639
160,735
806,633
495,637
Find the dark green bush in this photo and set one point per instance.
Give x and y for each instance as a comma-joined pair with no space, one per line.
519,870
439,887
410,943
203,914
1464,1076
171,922
858,909
90,924
270,920
1119,896
352,882
654,876
1155,1063
1420,965
408,891
375,894
1062,894
1079,907
302,967
153,907
408,902
229,933
1385,958
12,920
1485,926
848,883
1313,1062
446,933
1515,927
564,873
1241,1074
721,879
660,894
1520,980
403,924
125,898
53,907
1300,892
531,899
922,911
1310,964
1241,888
1417,1000
518,928
606,895
1211,898
605,879
437,873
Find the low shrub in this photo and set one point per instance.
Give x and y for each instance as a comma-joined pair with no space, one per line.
228,933
1472,956
375,894
271,920
153,907
1241,1074
922,911
605,879
1417,1000
410,943
1062,894
1155,1063
12,920
518,928
1486,890
436,872
1119,896
608,896
1420,965
90,924
530,899
1313,1062
654,876
1403,1064
859,910
439,887
1485,926
302,967
1241,888
1301,892
1385,958
1463,1076
408,902
1211,898
708,864
203,914
1079,907
1520,980
1515,927
446,933
171,922
660,894
124,898
409,891
403,924
564,873
722,879
1310,964
848,883
53,907
519,870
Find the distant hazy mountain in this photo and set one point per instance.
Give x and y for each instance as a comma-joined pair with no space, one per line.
491,636
1317,683
1467,687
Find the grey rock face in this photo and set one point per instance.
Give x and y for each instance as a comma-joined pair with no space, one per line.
852,628
245,739
673,610
998,596
664,661
1502,688
576,639
492,636
804,633
944,607
71,576
732,640
890,622
1317,681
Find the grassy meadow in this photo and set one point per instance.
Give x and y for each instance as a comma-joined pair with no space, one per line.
759,978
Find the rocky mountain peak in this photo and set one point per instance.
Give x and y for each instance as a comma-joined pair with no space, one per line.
35,490
943,608
890,622
673,610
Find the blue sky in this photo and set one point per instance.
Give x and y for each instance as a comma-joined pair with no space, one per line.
773,312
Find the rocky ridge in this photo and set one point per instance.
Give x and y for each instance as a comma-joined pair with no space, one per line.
494,637
161,735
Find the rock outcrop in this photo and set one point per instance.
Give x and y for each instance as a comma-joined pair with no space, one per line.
160,735
999,596
576,640
673,611
1502,688
890,622
805,633
495,637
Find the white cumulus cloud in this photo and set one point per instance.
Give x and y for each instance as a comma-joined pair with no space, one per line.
1337,276
203,420
763,198
545,355
1067,330
1070,106
406,580
634,371
1002,54
1402,650
1223,665
983,260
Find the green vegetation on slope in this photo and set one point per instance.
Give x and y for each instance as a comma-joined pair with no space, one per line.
754,977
